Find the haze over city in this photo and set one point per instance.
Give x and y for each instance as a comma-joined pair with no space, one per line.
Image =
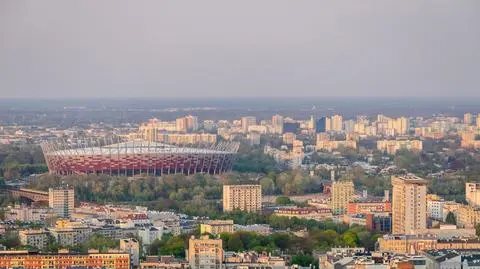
58,49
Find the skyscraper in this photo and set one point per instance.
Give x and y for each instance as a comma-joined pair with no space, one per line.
467,118
321,126
247,121
337,123
409,204
61,200
277,124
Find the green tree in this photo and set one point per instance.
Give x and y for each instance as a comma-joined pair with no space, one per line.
283,200
451,218
235,243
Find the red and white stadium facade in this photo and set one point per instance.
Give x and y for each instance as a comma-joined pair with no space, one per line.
116,156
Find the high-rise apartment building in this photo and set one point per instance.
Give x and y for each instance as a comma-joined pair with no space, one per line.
242,197
478,120
248,121
337,123
277,124
468,118
132,246
205,253
409,204
472,193
328,124
191,123
62,201
321,125
342,195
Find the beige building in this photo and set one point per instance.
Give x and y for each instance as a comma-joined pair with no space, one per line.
68,233
205,253
215,227
467,216
277,124
409,204
132,247
342,195
469,139
392,146
472,193
248,121
468,118
337,123
288,138
242,197
34,238
62,201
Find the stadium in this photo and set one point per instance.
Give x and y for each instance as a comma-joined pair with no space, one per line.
117,156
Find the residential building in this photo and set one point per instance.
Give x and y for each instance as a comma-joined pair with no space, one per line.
277,124
215,227
337,123
472,193
205,253
242,197
342,194
149,234
132,247
468,118
62,201
435,207
408,203
68,233
34,238
467,216
248,121
309,213
392,146
31,259
368,206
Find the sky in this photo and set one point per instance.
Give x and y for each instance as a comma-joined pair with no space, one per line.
204,49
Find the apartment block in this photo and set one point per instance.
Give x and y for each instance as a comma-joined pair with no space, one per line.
409,203
205,253
242,197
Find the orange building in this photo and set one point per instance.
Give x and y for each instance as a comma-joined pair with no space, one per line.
368,207
63,260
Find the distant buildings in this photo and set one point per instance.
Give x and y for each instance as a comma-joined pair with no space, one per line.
324,143
242,197
342,195
392,146
248,121
408,204
277,124
62,201
205,253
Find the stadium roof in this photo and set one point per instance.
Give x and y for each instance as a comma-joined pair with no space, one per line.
138,147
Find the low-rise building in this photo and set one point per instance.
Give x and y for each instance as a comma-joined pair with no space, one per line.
305,213
34,238
215,227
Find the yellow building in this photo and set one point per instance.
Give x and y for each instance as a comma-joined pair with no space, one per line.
392,146
467,216
409,204
215,227
405,244
342,194
205,253
242,197
62,201
469,139
70,233
337,123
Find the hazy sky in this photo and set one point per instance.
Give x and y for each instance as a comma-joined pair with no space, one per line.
239,48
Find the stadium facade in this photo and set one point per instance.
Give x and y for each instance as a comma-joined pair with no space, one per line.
117,156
